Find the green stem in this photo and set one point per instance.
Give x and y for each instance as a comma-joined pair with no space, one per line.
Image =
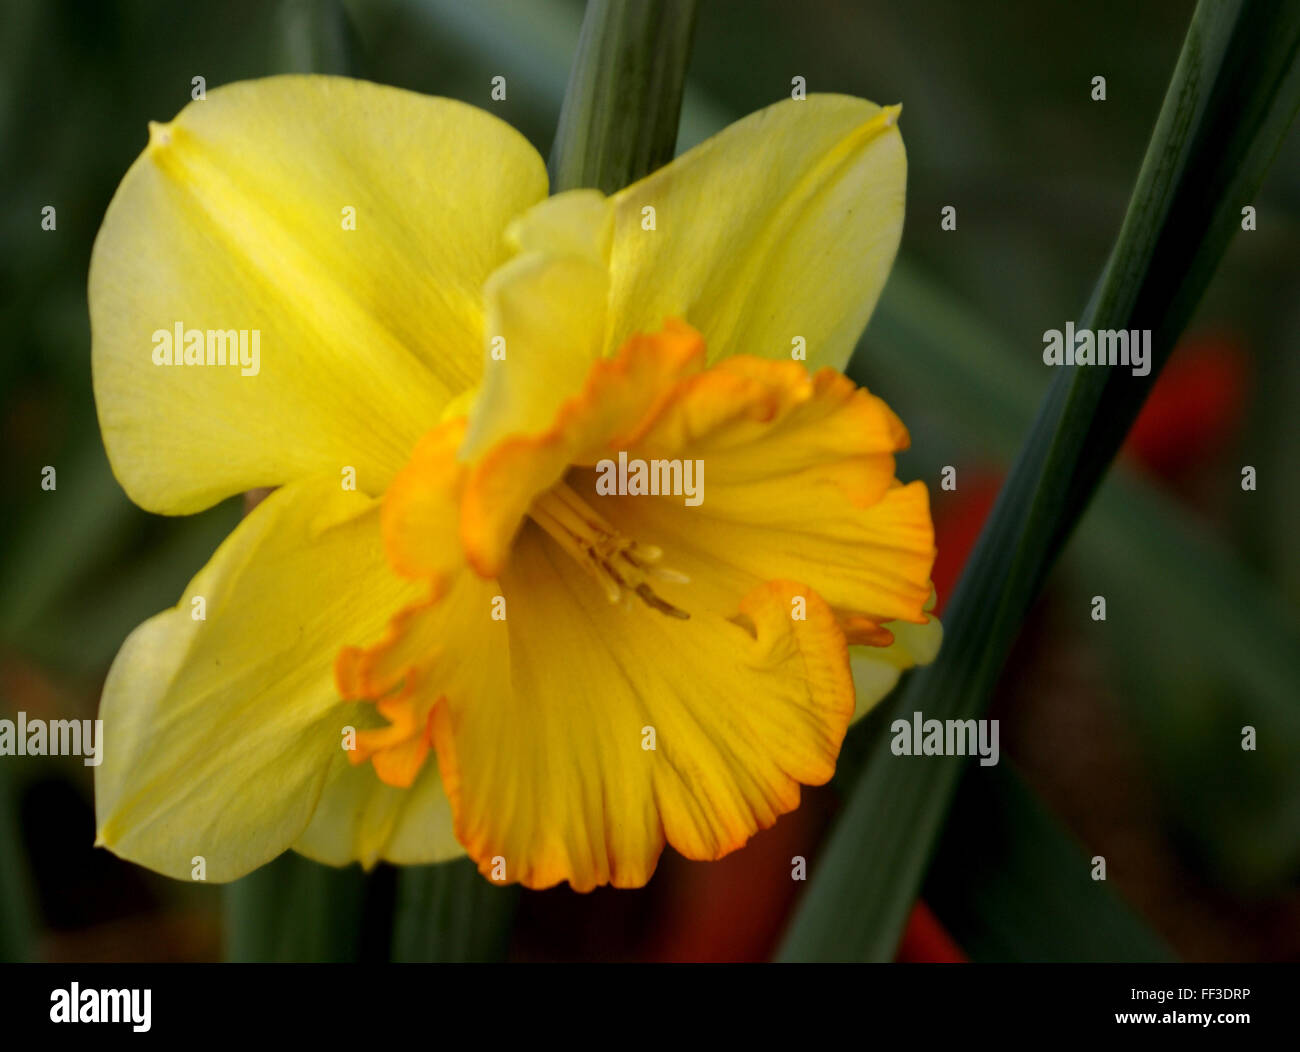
618,123
295,910
449,913
315,37
620,113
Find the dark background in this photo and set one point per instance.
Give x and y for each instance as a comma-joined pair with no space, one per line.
1128,729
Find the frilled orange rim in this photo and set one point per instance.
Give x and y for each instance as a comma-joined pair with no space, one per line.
803,543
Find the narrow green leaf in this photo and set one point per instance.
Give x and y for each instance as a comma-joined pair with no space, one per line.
1244,818
620,114
449,913
1232,97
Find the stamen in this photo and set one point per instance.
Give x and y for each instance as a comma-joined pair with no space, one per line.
620,565
652,600
671,576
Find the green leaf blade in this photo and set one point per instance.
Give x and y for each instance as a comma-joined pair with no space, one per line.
1232,97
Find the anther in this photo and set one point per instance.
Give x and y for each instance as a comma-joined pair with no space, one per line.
620,565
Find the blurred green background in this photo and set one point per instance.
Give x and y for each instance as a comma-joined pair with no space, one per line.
1128,731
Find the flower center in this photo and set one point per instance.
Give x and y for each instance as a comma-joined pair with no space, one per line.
620,565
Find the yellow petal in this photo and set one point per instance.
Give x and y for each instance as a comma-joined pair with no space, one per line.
575,223
545,317
551,775
360,819
796,481
548,313
617,398
234,218
220,733
421,516
784,225
431,648
876,669
540,716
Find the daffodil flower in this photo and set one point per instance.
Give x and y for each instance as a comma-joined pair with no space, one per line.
436,636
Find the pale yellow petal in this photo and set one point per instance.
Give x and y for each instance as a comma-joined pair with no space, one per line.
782,227
876,669
545,317
220,733
360,819
236,218
575,223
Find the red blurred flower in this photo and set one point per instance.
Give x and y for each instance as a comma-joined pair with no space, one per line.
1195,407
926,942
